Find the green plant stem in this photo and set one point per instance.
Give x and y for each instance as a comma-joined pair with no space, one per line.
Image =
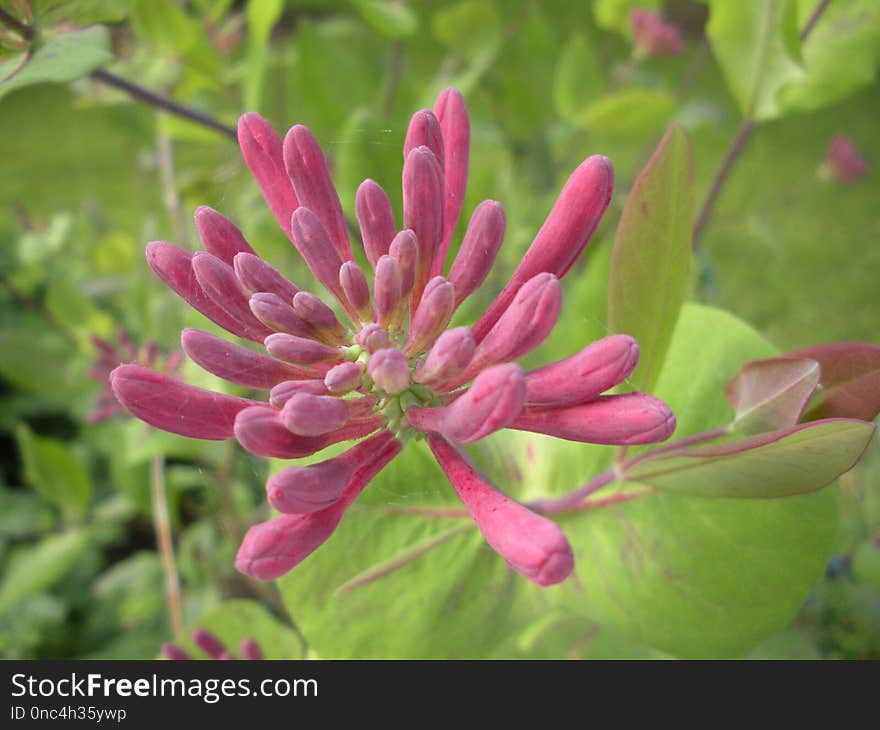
165,544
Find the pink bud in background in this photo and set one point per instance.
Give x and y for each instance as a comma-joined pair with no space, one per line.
653,36
373,337
219,235
250,650
450,355
261,148
478,249
343,378
585,375
310,175
843,161
532,545
423,211
256,276
404,250
389,370
174,653
451,112
314,415
300,349
388,291
357,291
208,643
373,211
434,312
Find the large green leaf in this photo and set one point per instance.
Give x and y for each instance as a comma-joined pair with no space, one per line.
652,253
757,46
634,112
577,79
63,58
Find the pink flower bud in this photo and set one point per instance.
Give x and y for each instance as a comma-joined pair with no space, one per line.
405,250
208,643
343,377
844,161
257,276
423,211
237,364
219,235
373,211
300,349
585,375
278,315
478,249
452,114
387,291
563,236
262,151
450,355
314,415
490,404
250,650
424,131
308,171
174,653
272,548
315,247
157,398
389,370
219,282
357,291
305,489
532,545
633,418
283,392
653,36
432,316
373,337
319,317
173,266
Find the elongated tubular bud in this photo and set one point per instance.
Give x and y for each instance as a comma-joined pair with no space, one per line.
173,266
313,415
343,378
257,276
283,392
389,370
423,212
174,653
238,364
208,643
405,250
319,317
262,151
450,355
373,211
373,337
483,238
169,404
424,131
272,548
563,236
629,419
250,650
584,375
306,489
312,242
452,114
388,292
430,320
278,315
308,171
219,235
260,430
300,349
219,282
533,546
493,402
357,291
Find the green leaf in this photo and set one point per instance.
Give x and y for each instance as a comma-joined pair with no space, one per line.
692,576
840,54
630,112
790,461
54,471
81,12
37,567
771,394
63,58
650,263
614,14
577,79
469,27
37,361
758,49
391,19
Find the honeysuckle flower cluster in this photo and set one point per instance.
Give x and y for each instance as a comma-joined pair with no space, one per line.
653,36
213,647
394,371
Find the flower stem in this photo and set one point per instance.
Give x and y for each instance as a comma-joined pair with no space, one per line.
162,528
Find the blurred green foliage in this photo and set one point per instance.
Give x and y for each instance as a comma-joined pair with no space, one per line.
90,175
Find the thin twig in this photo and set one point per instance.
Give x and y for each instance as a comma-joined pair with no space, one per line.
25,31
814,18
162,528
